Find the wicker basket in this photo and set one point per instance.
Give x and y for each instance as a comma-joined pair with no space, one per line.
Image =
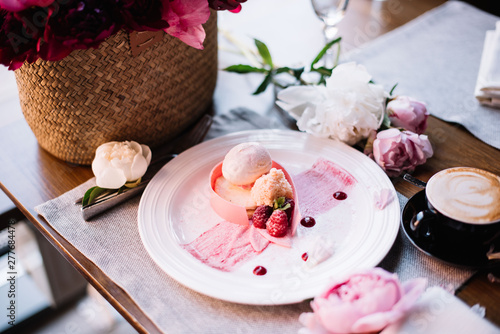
95,96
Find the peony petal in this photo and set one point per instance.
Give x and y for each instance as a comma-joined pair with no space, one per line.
348,108
426,146
338,318
347,72
99,163
185,18
376,321
138,167
192,36
110,178
135,146
413,290
18,5
146,152
381,298
296,99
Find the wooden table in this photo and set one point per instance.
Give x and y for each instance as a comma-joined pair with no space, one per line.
31,176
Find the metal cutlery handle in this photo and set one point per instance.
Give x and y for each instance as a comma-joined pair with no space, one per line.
414,180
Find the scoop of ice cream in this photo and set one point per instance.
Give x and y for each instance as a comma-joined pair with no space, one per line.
271,186
245,163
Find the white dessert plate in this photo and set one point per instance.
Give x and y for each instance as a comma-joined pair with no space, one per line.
174,210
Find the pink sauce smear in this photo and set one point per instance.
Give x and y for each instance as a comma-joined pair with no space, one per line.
226,245
223,246
317,185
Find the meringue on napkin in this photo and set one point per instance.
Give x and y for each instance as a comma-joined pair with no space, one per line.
488,81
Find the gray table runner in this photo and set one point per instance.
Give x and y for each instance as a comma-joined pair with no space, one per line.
113,243
435,58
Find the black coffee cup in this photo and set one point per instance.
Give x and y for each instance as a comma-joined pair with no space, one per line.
463,212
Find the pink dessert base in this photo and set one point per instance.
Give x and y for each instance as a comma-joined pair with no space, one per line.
236,213
227,244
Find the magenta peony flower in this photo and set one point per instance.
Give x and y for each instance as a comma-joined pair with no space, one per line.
77,25
398,151
20,40
231,5
51,30
185,19
408,113
141,15
18,5
363,302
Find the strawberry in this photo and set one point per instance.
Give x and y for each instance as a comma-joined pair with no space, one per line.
261,215
285,204
277,224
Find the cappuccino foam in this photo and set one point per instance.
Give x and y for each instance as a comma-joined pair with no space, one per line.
466,194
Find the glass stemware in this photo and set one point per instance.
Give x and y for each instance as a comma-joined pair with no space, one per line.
331,12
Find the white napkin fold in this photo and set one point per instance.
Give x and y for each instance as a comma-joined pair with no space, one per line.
488,81
438,311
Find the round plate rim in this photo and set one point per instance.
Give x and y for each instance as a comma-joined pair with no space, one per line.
269,135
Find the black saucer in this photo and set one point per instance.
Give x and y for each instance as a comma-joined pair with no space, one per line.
440,250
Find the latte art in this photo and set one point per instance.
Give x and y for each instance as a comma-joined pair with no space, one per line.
466,194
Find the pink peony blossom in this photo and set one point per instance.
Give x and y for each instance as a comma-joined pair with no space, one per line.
18,5
398,151
408,113
363,302
185,19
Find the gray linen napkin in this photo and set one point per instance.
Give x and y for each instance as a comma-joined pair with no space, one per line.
435,58
113,243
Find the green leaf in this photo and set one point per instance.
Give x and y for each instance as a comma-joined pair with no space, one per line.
91,195
278,203
323,51
286,207
264,52
323,71
283,70
392,89
95,193
386,123
85,200
389,99
267,80
296,72
132,184
243,69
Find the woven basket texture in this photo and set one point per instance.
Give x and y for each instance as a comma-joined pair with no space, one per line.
99,95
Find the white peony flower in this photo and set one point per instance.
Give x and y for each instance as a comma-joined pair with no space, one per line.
116,163
347,108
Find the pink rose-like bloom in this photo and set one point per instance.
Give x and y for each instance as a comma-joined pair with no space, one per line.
366,301
185,19
408,113
18,5
398,151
